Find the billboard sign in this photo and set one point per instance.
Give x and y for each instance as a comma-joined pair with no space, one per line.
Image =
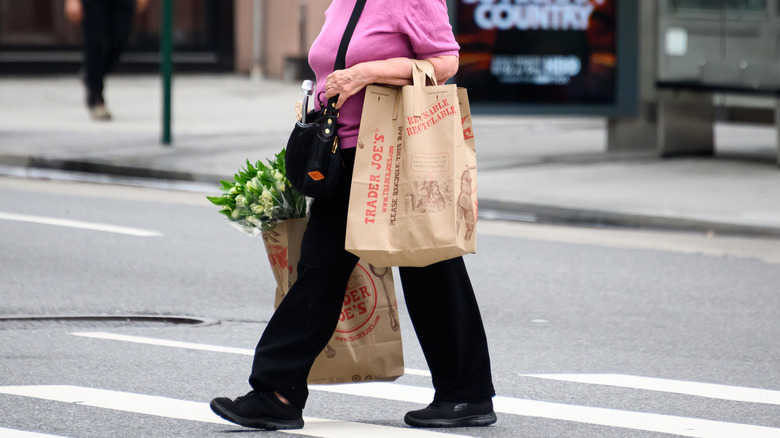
540,52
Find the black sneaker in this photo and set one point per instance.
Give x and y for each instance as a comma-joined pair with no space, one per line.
259,409
453,414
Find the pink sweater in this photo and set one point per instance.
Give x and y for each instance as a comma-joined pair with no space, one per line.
418,29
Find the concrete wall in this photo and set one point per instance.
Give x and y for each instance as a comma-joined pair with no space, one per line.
280,34
244,11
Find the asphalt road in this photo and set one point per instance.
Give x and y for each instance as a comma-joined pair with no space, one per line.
593,332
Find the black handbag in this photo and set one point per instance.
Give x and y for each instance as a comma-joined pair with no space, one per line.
313,160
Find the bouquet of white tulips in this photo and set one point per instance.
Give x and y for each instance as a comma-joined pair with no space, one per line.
260,197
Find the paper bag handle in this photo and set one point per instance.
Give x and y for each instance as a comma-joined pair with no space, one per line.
421,71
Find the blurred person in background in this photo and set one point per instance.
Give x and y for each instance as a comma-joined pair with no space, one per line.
105,27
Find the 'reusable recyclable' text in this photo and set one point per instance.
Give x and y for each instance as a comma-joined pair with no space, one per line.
439,111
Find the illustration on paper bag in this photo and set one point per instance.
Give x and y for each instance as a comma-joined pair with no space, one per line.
380,273
431,186
466,215
430,194
429,198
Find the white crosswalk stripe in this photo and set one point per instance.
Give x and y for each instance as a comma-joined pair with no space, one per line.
13,433
681,426
194,346
197,411
709,390
640,421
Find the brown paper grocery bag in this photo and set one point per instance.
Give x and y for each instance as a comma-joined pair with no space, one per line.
283,246
367,342
414,187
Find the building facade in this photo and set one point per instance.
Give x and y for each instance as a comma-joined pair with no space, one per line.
209,36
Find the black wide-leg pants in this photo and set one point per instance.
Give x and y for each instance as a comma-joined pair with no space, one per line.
105,31
439,297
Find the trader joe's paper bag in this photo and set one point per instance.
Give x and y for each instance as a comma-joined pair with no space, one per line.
367,342
414,190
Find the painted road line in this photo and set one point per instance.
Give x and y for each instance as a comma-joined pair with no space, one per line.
119,401
195,346
13,433
682,426
78,224
415,372
165,343
197,411
709,390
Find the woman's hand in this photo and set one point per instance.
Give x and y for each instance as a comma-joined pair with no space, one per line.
74,11
345,83
395,71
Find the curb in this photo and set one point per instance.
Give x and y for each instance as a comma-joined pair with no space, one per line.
488,208
107,168
539,213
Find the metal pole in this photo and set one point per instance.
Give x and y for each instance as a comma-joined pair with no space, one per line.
302,23
257,39
166,66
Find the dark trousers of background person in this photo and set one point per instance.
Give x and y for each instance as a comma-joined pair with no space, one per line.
105,31
440,300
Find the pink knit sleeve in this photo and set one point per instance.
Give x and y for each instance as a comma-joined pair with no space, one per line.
427,25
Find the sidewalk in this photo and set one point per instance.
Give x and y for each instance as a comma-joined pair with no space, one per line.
530,168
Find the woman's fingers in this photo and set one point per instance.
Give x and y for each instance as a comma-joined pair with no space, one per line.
343,83
342,99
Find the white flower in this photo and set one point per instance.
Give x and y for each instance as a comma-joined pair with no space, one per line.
257,209
240,200
257,185
280,186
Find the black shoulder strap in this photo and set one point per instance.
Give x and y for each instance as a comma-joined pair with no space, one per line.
342,54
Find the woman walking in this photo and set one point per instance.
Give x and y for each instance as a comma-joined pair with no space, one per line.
439,297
